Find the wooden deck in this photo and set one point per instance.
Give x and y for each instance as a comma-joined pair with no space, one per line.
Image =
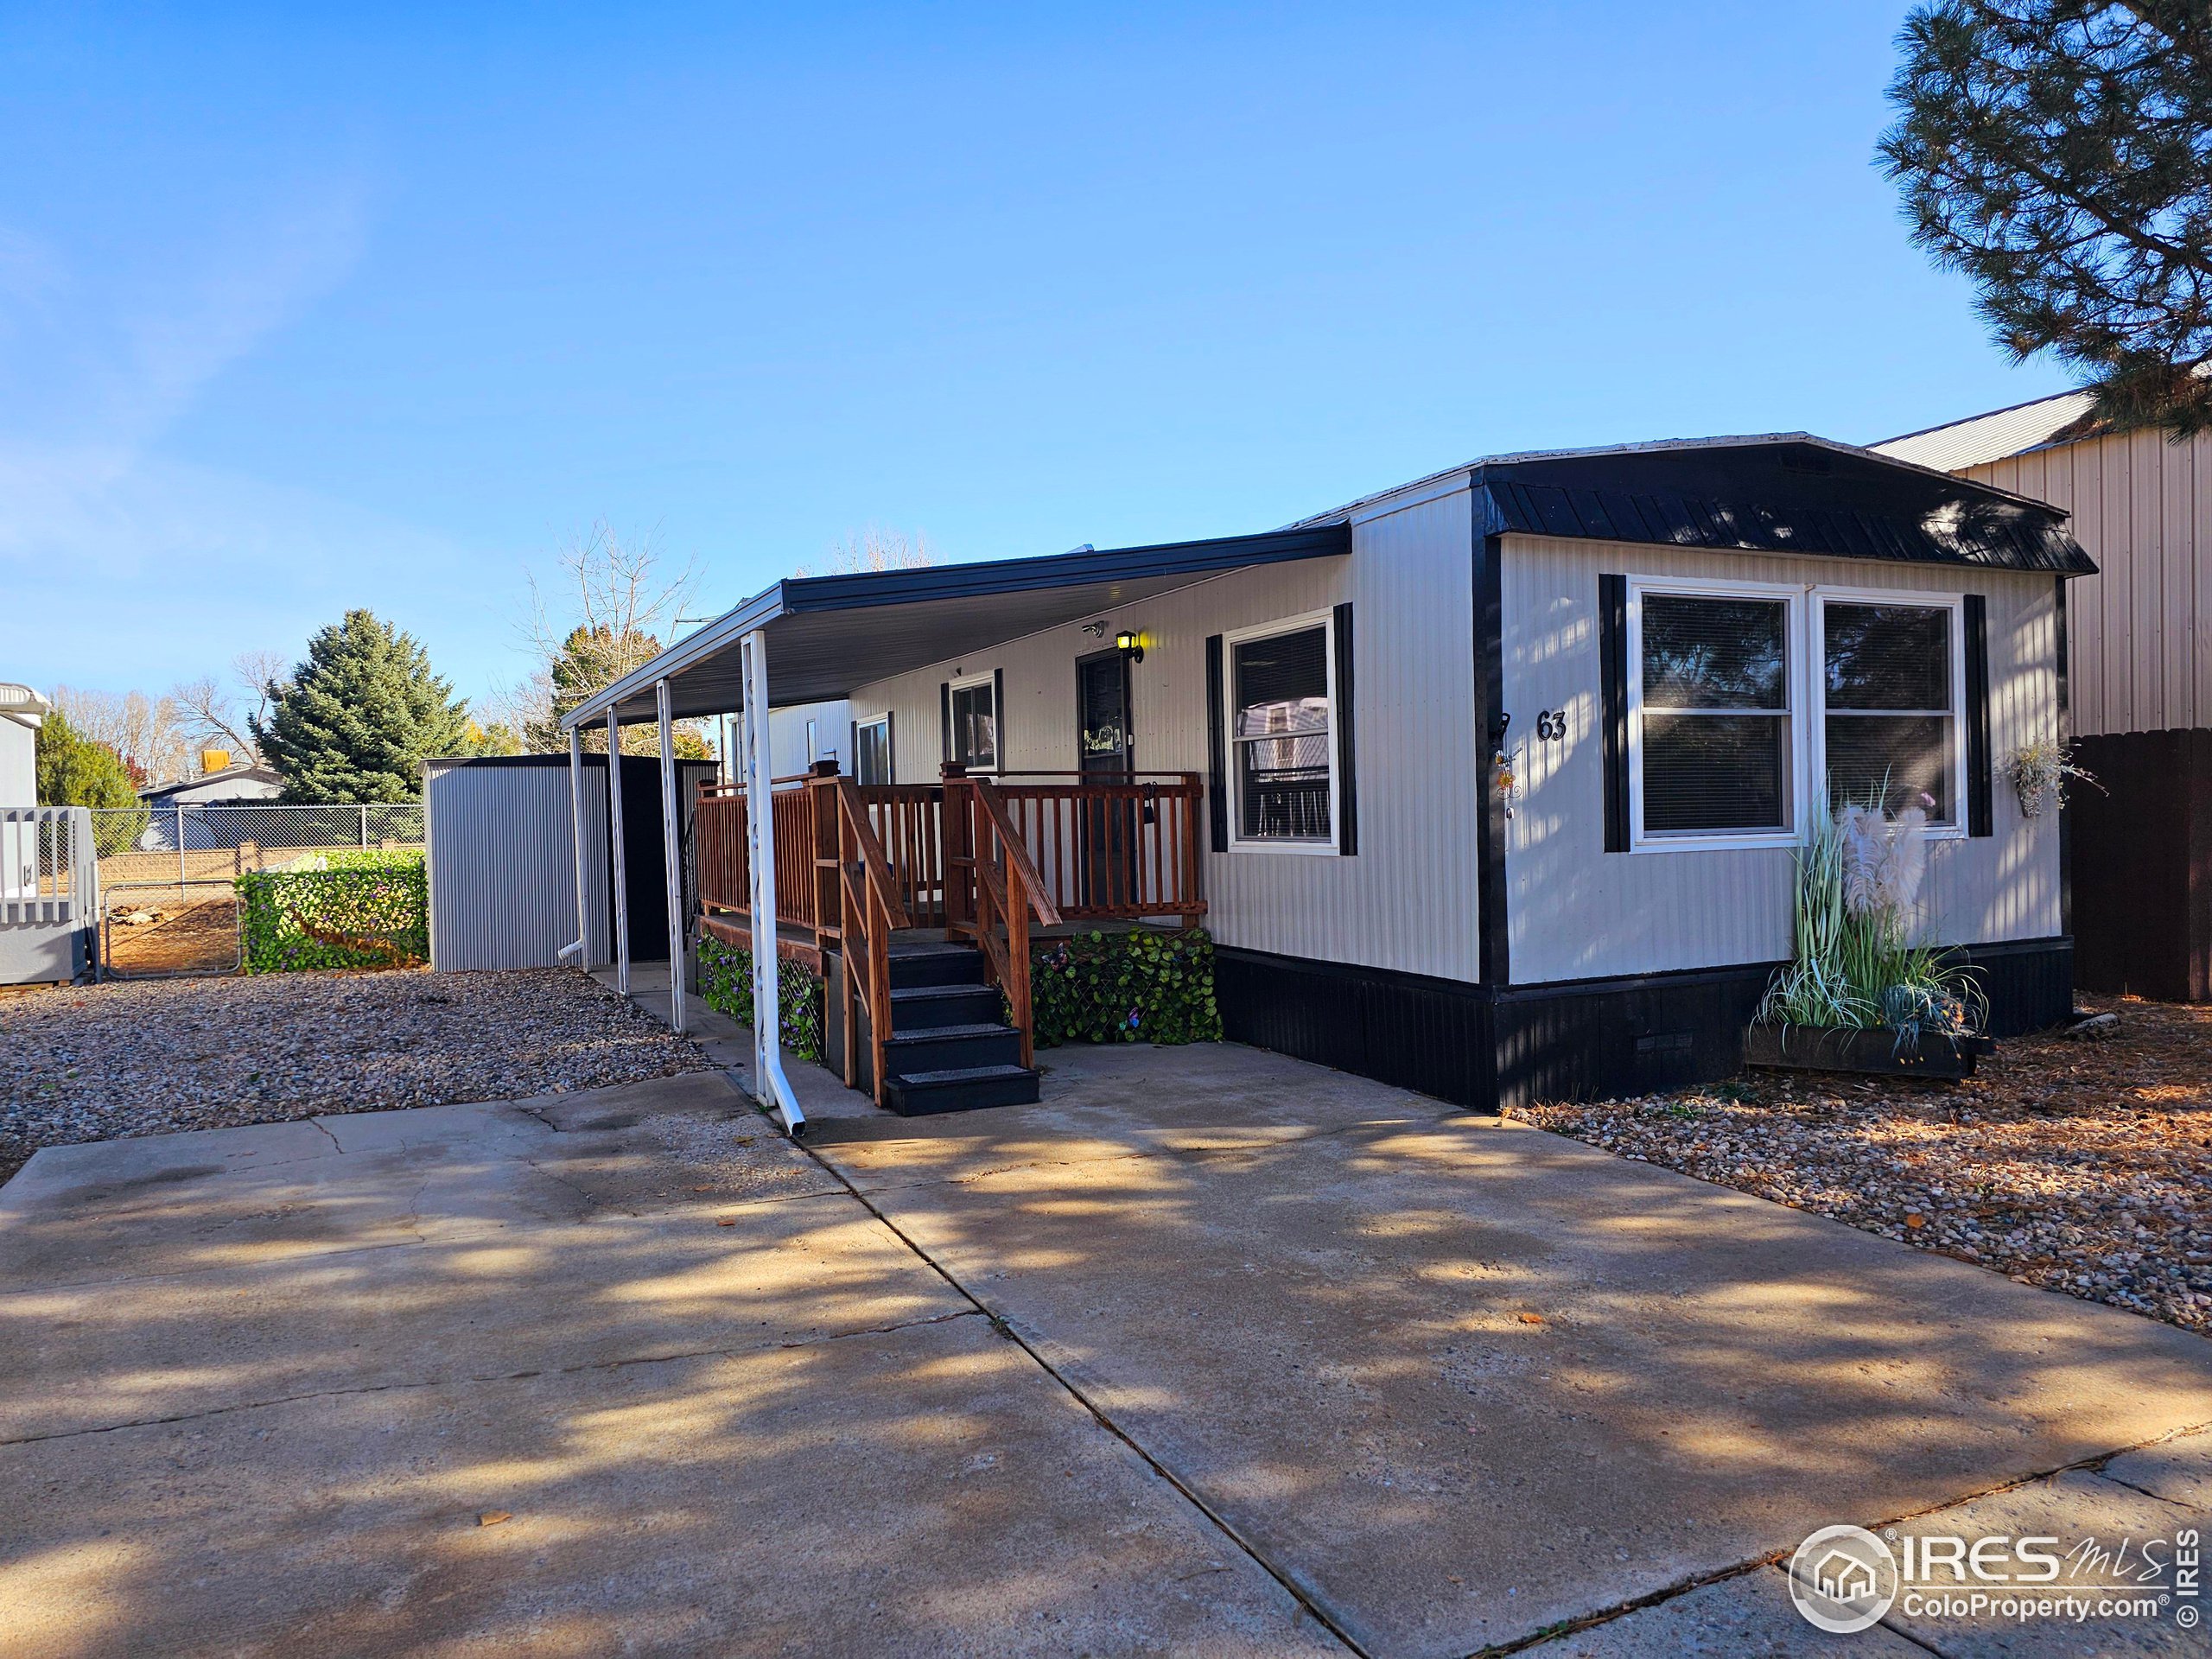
993,863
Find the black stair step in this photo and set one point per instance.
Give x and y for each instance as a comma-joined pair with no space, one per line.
960,1089
913,965
925,1007
946,1048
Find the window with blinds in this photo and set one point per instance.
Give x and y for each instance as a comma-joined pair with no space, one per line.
1280,731
1716,714
975,726
1889,718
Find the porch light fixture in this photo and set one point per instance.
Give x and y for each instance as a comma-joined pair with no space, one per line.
1130,643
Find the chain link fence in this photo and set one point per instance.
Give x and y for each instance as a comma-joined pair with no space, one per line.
168,875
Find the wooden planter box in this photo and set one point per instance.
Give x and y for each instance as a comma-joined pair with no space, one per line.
1835,1048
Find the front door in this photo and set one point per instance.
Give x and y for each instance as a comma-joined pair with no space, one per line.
1105,752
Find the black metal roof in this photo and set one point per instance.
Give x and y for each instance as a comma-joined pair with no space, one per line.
830,633
1788,495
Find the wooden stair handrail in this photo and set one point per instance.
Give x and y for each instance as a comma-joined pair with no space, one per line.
1019,863
871,850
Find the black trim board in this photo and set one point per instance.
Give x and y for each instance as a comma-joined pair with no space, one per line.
1346,716
1576,1039
1612,705
1494,947
1981,806
1216,749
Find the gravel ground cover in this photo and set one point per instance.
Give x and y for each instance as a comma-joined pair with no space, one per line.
2079,1166
91,1063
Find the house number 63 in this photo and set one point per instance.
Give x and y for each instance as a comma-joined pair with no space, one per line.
1551,725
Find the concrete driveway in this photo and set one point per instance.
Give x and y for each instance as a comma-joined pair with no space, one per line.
1212,1353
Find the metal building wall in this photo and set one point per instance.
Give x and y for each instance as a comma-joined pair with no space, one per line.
2140,633
1408,901
503,884
1578,912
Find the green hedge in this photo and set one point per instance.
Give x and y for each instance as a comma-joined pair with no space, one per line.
726,983
1140,986
337,910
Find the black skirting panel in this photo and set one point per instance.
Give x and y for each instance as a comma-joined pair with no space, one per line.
1580,1039
1428,1034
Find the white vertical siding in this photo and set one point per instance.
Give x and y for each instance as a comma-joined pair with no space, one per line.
2138,634
1407,900
1578,912
502,884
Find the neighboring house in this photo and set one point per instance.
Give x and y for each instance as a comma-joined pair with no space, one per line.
22,711
49,883
230,785
1494,779
2138,638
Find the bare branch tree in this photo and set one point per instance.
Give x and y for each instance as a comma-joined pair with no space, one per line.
876,549
146,731
212,719
604,619
260,675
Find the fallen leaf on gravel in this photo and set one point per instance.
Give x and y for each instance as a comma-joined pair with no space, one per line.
492,1517
2085,1168
1530,1318
94,1063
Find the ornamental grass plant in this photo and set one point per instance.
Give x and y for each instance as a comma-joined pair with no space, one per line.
1857,965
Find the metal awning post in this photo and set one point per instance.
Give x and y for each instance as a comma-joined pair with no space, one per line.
671,856
771,1086
614,838
576,819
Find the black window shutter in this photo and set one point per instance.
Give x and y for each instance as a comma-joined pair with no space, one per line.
1347,773
998,717
1612,730
1980,808
1217,760
853,754
890,754
944,708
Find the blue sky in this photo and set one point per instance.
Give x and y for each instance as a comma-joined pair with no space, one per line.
299,311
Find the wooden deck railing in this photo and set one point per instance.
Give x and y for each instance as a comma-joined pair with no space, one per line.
981,857
725,874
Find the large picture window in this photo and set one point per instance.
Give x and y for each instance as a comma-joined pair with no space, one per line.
975,725
1280,694
1890,701
1752,707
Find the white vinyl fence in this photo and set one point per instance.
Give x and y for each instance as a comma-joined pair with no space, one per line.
49,892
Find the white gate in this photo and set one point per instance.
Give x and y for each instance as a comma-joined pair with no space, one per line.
49,892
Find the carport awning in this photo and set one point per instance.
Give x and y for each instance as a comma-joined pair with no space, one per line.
827,634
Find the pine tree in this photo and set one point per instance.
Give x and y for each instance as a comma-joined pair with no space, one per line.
76,771
591,659
359,716
2059,152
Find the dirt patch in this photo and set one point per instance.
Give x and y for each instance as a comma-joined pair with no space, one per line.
194,934
150,1057
2080,1167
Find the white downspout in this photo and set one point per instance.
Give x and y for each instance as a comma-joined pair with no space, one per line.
615,836
772,1088
583,946
671,857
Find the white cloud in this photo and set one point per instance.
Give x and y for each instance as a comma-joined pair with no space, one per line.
121,563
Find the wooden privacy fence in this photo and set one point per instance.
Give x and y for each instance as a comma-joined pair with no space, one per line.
980,857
